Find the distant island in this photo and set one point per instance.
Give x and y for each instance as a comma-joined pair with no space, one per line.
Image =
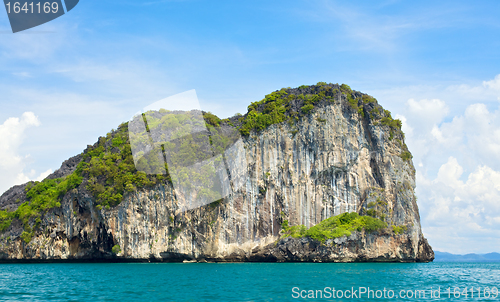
447,257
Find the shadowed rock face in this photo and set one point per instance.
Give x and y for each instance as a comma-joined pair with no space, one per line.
329,162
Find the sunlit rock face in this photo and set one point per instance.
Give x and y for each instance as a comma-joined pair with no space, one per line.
328,162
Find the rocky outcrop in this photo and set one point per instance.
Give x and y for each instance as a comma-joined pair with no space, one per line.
359,247
330,161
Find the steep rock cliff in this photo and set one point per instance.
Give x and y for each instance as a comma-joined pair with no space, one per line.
337,151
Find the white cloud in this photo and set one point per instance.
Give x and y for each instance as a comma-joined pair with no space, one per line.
458,168
31,175
11,134
487,91
462,214
430,112
472,136
493,84
12,163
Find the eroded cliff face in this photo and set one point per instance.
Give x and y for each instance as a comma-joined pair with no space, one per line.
329,162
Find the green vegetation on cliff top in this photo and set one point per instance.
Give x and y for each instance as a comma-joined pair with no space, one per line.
288,104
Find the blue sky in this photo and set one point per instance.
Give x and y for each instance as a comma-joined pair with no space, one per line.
434,65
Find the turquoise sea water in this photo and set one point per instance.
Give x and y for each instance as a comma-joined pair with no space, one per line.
248,281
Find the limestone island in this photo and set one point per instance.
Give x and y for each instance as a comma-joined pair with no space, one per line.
322,174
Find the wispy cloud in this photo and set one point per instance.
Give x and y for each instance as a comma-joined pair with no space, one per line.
372,28
22,74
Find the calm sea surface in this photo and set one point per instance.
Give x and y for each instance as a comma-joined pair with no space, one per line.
250,282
